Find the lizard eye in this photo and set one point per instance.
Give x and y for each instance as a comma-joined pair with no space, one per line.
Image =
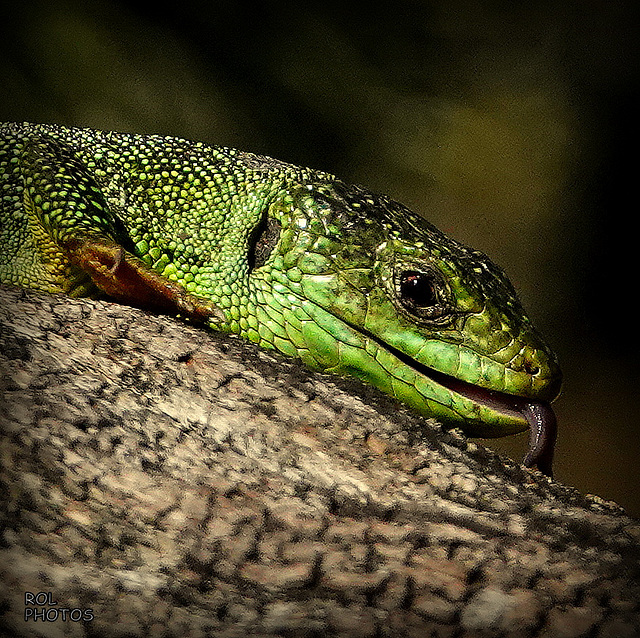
417,289
420,293
262,242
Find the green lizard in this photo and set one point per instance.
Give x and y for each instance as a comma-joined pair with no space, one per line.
348,281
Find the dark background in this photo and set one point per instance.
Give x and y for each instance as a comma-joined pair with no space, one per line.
513,128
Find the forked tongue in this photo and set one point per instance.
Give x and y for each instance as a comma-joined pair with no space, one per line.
543,429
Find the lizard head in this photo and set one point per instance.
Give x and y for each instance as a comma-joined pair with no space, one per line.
355,283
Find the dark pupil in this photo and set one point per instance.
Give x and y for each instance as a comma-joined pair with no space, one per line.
417,288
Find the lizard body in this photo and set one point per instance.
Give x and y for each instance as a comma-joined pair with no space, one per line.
348,281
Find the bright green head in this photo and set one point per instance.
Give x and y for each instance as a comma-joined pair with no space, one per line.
355,283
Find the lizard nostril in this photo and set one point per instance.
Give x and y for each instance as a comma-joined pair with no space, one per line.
530,367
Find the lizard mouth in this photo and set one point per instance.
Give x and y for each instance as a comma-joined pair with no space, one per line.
538,415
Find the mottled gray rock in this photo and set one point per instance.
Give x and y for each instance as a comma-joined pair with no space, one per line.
181,483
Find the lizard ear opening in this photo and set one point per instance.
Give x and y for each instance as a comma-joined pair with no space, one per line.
263,240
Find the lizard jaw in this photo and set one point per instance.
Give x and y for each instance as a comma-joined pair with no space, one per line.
507,413
538,415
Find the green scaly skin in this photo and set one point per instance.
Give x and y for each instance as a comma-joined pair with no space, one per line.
290,258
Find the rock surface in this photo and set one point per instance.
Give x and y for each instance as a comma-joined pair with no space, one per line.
161,480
